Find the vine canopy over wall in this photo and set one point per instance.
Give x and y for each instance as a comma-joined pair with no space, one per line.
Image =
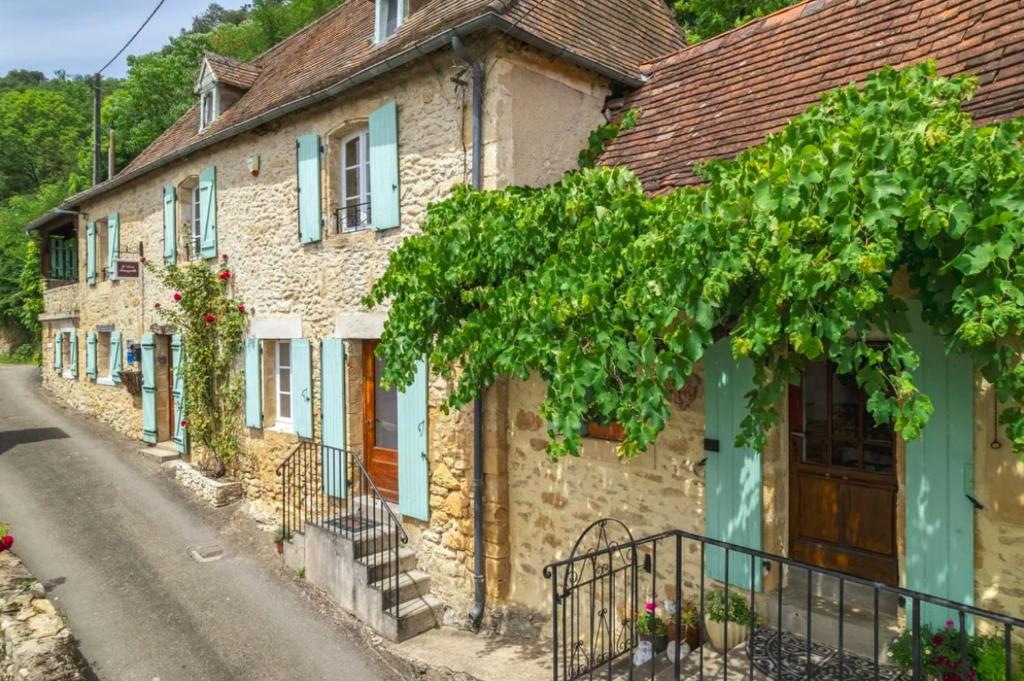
613,296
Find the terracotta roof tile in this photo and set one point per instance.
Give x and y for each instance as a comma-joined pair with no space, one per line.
714,99
619,35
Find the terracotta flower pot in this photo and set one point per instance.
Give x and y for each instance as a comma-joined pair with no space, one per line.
738,633
279,545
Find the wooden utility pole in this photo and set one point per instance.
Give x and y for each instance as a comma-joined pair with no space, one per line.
111,158
96,95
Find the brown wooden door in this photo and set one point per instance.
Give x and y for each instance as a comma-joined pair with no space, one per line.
843,478
380,426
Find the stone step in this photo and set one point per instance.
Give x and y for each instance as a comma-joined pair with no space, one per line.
414,617
374,540
378,564
855,595
366,506
411,585
161,452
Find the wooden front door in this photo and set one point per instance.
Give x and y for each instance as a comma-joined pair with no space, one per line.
843,478
380,425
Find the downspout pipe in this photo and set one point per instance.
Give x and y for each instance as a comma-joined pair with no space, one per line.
479,578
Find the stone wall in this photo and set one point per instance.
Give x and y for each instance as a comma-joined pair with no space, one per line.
538,114
35,643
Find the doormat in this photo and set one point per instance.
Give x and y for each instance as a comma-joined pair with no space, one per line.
350,523
763,649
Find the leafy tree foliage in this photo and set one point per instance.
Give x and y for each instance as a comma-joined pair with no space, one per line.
613,296
702,19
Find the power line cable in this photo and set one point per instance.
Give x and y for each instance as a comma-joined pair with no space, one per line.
130,40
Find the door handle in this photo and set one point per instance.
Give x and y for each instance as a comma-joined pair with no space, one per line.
978,506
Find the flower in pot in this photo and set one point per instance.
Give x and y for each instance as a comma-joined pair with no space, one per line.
942,655
726,621
279,536
650,627
690,624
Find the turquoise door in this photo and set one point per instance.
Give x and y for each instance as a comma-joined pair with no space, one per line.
178,394
733,474
940,475
149,430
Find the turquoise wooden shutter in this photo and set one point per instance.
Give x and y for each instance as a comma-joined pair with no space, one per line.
253,384
384,204
413,465
90,355
732,495
308,169
170,231
113,244
54,258
180,436
940,473
149,431
332,415
74,354
208,212
115,356
58,351
90,253
73,260
302,388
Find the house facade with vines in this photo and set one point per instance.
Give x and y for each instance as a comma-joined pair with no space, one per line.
281,168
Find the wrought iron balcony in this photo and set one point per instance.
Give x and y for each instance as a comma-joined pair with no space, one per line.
352,218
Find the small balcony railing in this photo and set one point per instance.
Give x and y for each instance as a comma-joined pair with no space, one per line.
787,620
352,218
58,283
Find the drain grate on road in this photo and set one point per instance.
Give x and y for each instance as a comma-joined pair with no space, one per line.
205,553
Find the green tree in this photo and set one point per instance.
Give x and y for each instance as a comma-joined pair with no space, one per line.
703,19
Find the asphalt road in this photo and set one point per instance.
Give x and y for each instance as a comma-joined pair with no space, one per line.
107,532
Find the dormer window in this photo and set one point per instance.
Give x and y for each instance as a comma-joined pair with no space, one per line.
390,15
207,108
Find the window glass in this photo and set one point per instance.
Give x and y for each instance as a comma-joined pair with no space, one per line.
355,182
391,17
103,354
284,382
386,411
815,409
196,232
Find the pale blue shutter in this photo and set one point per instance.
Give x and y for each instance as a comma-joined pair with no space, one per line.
90,253
180,436
384,203
302,388
115,356
940,474
253,384
58,351
413,466
55,258
73,260
113,244
732,493
90,355
332,415
74,354
170,230
208,212
308,169
149,430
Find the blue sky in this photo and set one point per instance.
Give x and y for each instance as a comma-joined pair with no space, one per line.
79,36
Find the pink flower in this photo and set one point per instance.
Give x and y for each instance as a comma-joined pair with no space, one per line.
209,318
241,308
176,296
650,607
949,624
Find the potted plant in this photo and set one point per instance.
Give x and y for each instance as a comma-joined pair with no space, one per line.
650,627
688,620
720,619
942,655
279,537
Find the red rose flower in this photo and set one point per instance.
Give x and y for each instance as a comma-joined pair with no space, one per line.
225,275
241,308
156,305
184,423
176,296
142,258
6,542
224,257
937,639
209,318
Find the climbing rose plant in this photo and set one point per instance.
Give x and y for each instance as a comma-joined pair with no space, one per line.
212,326
790,249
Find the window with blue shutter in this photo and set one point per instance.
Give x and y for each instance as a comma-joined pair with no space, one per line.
90,253
309,184
90,355
332,415
413,465
149,429
302,387
253,384
170,230
384,197
115,356
58,351
113,244
208,212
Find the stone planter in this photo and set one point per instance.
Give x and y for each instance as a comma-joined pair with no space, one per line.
738,633
217,492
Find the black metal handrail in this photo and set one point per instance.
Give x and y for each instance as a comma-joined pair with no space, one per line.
331,489
596,594
352,218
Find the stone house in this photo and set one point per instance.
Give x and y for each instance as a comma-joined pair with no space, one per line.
304,168
829,489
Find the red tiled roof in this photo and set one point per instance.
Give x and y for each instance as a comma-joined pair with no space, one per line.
232,72
612,36
714,99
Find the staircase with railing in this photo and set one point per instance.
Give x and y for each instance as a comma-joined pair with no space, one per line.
350,541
